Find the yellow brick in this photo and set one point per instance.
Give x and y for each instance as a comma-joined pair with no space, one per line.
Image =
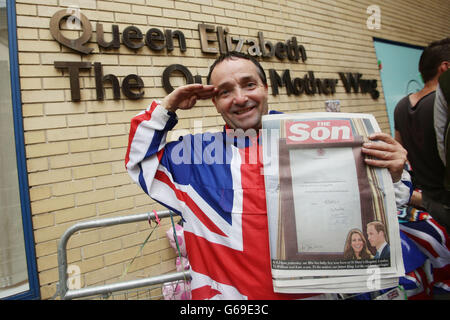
39,164
47,262
98,276
89,265
134,239
31,84
88,144
52,108
71,187
134,60
115,205
124,255
32,22
38,70
106,130
117,231
83,238
177,14
50,233
94,197
127,190
43,220
86,119
149,11
156,245
142,199
111,105
145,261
132,18
77,213
73,256
55,83
37,123
52,204
69,160
67,134
29,58
46,177
46,248
46,149
101,248
112,181
45,2
202,18
92,171
26,9
32,137
118,141
168,254
27,33
48,276
39,193
108,155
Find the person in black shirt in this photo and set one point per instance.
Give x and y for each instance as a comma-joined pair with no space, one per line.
414,129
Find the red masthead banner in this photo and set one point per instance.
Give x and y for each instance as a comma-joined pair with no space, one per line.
318,131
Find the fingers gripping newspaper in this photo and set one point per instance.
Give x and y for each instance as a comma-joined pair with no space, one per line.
332,219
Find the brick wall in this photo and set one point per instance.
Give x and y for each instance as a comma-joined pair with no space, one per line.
75,150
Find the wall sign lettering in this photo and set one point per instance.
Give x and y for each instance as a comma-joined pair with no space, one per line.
213,40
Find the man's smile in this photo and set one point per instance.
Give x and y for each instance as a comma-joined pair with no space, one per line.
244,110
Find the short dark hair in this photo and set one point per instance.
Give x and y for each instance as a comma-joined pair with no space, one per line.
238,55
433,55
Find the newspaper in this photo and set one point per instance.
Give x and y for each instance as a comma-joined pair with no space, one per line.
328,212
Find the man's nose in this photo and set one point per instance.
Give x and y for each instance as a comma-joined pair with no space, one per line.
240,97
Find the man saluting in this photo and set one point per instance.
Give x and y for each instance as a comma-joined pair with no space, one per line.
223,203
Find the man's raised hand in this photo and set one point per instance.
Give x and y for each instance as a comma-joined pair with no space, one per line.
185,97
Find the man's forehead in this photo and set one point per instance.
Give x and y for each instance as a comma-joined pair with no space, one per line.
239,67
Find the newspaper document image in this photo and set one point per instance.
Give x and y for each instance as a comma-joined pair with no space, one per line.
324,204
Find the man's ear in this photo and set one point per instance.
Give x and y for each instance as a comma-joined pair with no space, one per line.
444,66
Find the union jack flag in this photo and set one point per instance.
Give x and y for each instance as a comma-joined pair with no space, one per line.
433,277
221,198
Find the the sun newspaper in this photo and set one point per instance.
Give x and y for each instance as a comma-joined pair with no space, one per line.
332,218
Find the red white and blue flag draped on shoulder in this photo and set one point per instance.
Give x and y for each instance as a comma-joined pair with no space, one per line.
214,181
220,197
427,271
426,254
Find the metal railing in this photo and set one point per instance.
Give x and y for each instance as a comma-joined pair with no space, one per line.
63,289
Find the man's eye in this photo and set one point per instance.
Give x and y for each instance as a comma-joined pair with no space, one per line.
223,92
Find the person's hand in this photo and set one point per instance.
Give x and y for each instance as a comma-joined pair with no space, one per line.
416,199
387,153
185,97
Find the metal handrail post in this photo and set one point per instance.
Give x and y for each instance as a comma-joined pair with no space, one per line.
64,291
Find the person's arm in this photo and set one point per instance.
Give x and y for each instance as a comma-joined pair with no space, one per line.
148,159
398,137
440,122
389,153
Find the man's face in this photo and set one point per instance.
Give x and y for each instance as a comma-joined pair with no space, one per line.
375,238
242,96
